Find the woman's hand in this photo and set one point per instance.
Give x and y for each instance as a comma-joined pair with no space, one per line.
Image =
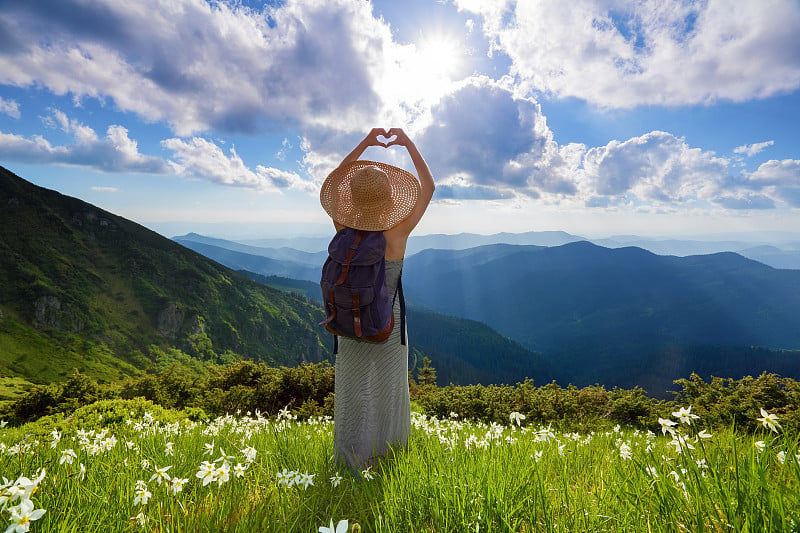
372,138
400,140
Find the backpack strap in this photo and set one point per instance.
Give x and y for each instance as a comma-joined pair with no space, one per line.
399,293
402,310
350,254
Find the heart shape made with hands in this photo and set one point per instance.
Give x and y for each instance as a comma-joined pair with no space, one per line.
384,140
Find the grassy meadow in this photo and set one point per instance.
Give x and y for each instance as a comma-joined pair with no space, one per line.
128,465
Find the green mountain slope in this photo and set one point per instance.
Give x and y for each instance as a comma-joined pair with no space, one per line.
83,288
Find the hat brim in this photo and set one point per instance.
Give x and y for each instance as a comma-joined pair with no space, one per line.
336,198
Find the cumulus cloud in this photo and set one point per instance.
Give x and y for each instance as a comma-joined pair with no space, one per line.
9,107
777,179
202,158
485,142
484,137
201,66
116,152
616,53
752,149
657,167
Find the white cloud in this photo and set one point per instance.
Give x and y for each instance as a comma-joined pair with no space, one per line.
777,179
201,158
98,188
752,149
483,136
201,66
616,53
656,167
9,107
487,143
116,152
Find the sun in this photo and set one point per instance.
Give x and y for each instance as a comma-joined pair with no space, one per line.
439,56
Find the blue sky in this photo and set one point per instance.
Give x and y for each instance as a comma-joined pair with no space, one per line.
654,117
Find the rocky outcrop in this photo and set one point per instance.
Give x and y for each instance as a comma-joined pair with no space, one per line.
170,321
49,311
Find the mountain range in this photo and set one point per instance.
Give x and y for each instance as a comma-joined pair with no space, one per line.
619,316
776,249
82,288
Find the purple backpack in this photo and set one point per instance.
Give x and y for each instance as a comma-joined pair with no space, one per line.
353,285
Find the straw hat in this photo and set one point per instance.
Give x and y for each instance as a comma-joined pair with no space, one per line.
368,195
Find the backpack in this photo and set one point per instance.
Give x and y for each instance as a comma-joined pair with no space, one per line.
354,291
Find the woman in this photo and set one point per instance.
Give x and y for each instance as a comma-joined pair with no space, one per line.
372,410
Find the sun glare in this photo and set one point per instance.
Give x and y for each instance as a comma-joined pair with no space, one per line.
439,56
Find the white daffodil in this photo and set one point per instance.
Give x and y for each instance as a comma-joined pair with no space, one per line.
239,470
781,457
336,479
680,443
341,527
685,415
249,454
142,495
169,448
368,475
759,445
67,456
704,435
56,438
22,515
161,475
23,487
177,484
769,421
517,418
625,450
666,425
206,472
209,448
221,474
305,480
286,478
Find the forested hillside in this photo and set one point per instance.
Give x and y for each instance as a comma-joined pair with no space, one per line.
83,288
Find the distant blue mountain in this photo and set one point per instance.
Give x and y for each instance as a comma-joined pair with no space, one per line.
612,313
541,295
619,316
258,264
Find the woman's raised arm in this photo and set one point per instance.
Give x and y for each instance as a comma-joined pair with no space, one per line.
423,173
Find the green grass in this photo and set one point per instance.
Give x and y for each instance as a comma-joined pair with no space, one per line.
453,476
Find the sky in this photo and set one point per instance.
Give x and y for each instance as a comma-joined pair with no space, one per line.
596,117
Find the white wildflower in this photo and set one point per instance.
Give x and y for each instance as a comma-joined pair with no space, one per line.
161,475
22,515
769,421
142,494
666,425
341,527
685,415
67,456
